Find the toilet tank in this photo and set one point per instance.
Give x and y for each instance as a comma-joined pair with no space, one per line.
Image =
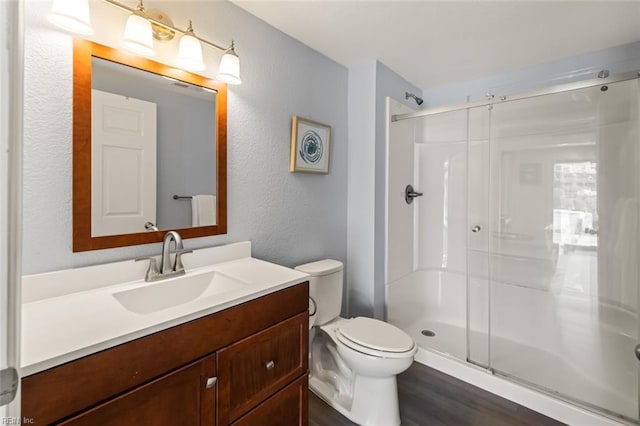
325,287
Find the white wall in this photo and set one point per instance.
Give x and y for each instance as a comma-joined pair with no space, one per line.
290,218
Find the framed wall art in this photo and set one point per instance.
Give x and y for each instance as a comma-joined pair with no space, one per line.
310,145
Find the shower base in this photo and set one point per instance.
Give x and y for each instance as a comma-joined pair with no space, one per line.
569,372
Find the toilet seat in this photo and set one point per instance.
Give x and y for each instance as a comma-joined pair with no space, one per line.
374,337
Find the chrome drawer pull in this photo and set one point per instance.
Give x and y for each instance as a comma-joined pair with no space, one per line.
270,365
211,381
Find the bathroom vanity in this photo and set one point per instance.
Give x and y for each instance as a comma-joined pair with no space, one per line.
242,360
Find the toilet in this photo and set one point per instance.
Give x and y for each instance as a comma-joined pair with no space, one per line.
353,362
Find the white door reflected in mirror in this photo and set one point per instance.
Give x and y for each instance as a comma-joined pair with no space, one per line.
124,146
142,158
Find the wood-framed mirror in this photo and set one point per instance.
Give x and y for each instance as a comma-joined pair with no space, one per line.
149,150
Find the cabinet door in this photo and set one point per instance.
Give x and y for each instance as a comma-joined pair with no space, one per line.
255,368
178,398
289,407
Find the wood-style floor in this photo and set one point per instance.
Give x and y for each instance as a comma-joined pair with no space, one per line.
429,397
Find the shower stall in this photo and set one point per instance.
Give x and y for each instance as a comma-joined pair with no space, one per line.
521,257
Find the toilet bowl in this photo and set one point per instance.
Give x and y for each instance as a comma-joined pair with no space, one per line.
353,362
371,347
374,357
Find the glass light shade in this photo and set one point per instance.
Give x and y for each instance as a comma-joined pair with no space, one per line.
138,36
190,54
229,70
72,16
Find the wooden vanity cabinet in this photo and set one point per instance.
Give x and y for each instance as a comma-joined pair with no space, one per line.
246,365
289,407
256,367
178,398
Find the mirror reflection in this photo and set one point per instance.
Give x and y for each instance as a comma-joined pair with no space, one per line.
153,151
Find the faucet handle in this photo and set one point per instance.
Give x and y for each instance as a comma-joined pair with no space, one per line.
152,270
177,265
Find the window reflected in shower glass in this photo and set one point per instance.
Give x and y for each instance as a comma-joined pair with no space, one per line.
575,214
575,224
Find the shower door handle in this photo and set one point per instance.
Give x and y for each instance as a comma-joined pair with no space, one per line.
637,351
410,194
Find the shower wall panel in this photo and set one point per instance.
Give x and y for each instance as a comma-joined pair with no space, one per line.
441,173
400,227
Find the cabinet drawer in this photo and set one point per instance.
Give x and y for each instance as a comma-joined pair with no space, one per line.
286,408
254,368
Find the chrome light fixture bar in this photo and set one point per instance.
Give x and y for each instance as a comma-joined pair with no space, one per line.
140,30
163,25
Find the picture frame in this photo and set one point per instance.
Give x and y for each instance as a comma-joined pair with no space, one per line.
310,146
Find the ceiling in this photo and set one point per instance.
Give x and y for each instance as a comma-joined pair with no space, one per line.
434,43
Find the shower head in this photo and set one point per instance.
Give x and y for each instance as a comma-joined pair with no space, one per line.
408,95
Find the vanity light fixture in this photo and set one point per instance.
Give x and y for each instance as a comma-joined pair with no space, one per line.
190,51
138,35
141,28
72,16
229,70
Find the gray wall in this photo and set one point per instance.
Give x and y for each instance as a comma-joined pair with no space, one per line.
361,175
369,85
186,137
290,218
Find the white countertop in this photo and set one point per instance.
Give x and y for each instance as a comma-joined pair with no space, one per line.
74,324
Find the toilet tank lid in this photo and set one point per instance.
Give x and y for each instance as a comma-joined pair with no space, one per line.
320,267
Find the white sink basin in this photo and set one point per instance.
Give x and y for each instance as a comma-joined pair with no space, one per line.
154,297
77,312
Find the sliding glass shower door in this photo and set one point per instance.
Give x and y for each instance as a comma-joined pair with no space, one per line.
478,260
553,243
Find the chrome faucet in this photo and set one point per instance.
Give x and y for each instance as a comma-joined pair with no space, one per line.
167,269
165,263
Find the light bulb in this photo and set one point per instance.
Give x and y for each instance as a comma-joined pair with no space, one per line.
72,16
190,53
138,36
229,70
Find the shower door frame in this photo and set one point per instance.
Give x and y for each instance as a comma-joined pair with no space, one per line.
11,142
491,99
